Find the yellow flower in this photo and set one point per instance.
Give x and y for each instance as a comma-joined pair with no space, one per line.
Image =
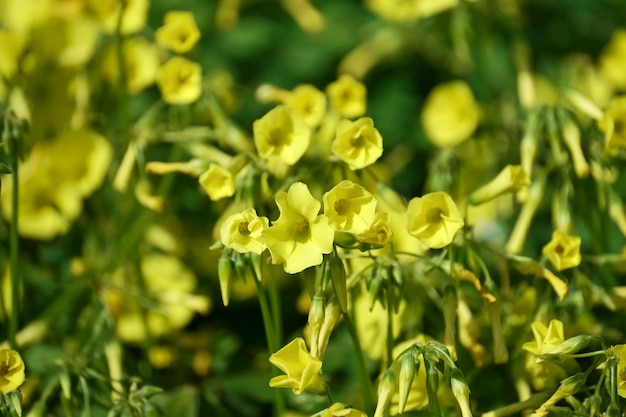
141,60
621,369
11,371
613,124
11,48
563,251
281,135
134,14
165,300
180,81
340,410
302,370
450,114
434,219
243,232
179,31
545,374
308,102
300,236
512,178
357,143
347,96
350,207
612,59
379,233
218,182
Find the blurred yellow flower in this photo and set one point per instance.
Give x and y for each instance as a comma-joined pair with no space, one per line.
243,232
11,47
347,96
379,232
358,143
300,236
11,371
218,182
141,61
180,81
340,410
179,31
308,102
302,370
621,369
129,16
450,114
350,207
281,134
612,59
563,251
408,11
613,124
163,303
51,191
434,219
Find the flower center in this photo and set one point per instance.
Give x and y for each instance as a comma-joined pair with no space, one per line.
559,249
4,369
243,228
357,140
340,206
302,228
434,215
274,138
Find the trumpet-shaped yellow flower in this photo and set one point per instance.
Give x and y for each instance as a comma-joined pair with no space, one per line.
281,135
134,14
300,236
179,31
612,59
302,370
512,178
379,232
357,143
347,96
180,81
563,251
434,219
621,369
613,124
243,232
340,410
350,207
450,114
218,182
308,102
546,338
11,371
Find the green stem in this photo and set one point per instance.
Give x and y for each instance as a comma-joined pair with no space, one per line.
389,324
276,308
366,382
13,251
272,342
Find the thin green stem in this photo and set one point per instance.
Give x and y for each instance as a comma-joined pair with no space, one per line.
272,342
276,307
366,382
14,250
389,323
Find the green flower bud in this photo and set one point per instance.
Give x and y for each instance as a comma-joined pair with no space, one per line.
338,277
386,388
408,369
316,320
572,345
461,391
225,275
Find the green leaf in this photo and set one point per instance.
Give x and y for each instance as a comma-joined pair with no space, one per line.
5,169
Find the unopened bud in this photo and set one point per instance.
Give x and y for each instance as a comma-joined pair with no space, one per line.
571,137
583,104
316,319
338,277
461,391
408,369
432,381
612,411
332,314
386,388
572,345
516,241
512,178
225,275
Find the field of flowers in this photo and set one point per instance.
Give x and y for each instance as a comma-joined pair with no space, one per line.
291,208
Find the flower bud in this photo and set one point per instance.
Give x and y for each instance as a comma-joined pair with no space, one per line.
332,314
612,411
316,320
386,388
225,275
571,137
408,369
571,345
338,277
516,241
432,381
511,178
461,391
583,104
449,306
